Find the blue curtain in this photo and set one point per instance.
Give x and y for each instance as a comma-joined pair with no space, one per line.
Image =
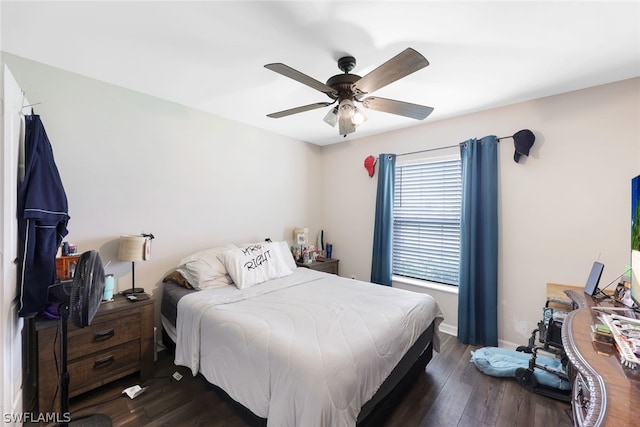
478,289
381,262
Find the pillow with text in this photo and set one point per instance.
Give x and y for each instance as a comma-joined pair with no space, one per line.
254,264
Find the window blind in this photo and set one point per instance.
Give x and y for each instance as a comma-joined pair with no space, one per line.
426,220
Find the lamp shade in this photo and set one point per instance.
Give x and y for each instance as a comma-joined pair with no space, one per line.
133,248
332,117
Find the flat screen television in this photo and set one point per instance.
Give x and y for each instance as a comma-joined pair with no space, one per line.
635,241
591,287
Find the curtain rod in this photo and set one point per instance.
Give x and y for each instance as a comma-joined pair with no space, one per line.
442,148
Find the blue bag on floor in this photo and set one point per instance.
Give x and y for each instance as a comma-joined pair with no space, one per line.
500,362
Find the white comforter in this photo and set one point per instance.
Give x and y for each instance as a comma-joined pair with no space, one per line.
308,349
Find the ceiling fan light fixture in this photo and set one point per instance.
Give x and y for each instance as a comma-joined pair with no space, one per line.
349,117
347,109
359,117
348,88
346,125
332,117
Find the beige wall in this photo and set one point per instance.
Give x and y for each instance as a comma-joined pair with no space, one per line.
562,208
133,163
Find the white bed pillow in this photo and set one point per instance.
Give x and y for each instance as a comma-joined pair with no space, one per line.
285,251
255,263
204,269
287,256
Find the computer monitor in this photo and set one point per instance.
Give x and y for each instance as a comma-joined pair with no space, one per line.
591,287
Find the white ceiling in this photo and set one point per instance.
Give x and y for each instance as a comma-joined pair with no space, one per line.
210,55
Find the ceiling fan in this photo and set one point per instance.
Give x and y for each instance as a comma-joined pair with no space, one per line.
347,89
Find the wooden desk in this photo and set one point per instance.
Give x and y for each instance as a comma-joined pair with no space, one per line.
603,392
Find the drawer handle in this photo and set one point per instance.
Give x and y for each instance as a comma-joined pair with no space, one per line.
104,361
104,335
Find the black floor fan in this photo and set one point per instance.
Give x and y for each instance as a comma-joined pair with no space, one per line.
78,298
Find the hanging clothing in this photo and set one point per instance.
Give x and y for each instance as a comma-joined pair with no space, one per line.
42,219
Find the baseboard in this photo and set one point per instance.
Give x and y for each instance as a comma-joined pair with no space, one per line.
448,329
508,345
453,331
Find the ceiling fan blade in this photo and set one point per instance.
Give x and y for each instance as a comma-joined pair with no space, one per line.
296,75
297,110
406,62
400,108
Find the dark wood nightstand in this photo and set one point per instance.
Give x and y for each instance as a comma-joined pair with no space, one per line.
328,265
119,342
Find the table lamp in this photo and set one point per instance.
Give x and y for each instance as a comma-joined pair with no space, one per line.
300,237
134,248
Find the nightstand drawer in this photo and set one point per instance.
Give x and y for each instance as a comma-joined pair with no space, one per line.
86,372
326,265
119,342
104,334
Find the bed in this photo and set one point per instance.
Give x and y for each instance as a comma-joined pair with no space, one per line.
296,346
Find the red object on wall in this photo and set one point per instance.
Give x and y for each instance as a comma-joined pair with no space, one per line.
370,165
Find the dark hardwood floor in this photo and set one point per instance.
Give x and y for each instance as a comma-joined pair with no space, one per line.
451,392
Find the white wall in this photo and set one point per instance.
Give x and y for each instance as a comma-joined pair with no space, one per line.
565,206
131,163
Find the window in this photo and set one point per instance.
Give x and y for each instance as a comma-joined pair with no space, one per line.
426,220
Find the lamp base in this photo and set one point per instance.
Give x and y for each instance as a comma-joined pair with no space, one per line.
133,291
